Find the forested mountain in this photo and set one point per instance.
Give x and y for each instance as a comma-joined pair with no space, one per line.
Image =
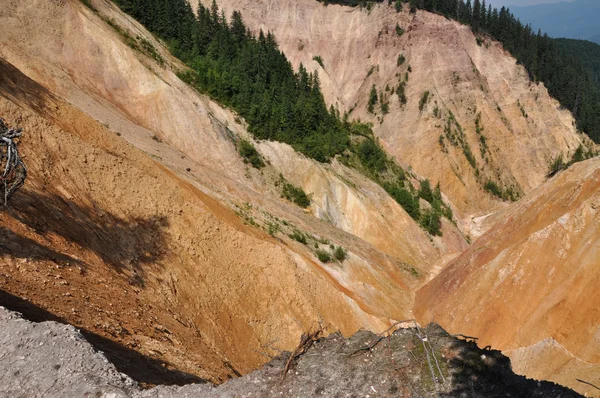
564,76
184,247
586,51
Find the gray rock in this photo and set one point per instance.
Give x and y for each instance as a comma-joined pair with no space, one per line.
49,359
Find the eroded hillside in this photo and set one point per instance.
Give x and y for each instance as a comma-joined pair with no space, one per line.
529,285
196,133
146,227
142,225
523,129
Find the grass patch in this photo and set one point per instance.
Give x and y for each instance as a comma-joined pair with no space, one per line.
149,49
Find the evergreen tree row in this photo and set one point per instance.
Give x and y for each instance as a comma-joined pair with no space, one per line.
248,73
563,74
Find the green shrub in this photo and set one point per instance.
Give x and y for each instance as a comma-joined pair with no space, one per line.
250,154
556,165
425,191
431,222
372,99
399,30
385,108
323,256
423,100
372,157
493,188
319,60
405,199
401,93
579,155
298,237
273,228
340,254
295,194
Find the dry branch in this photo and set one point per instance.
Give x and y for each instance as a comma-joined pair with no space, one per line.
380,337
588,383
306,341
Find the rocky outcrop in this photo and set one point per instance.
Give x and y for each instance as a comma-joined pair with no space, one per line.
53,360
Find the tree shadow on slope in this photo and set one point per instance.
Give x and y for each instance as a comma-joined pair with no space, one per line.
141,368
488,373
18,88
133,244
21,247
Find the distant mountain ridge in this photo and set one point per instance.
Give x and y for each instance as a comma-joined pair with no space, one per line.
574,20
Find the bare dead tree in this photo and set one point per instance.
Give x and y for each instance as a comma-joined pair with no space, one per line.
12,169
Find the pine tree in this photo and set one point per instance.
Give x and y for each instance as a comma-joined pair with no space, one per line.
475,20
372,99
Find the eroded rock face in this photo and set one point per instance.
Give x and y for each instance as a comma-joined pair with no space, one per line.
529,285
107,239
53,360
523,127
165,260
137,222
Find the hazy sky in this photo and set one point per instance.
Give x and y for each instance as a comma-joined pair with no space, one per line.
500,3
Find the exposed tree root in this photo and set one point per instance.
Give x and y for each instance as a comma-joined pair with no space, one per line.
12,168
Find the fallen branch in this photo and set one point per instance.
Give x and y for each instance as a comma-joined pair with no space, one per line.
306,341
423,339
380,337
588,383
368,347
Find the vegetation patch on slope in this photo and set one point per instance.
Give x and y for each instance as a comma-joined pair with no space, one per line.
368,157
